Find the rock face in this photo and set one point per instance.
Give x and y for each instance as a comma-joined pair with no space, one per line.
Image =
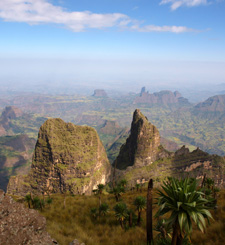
180,164
100,93
67,158
162,98
142,147
20,225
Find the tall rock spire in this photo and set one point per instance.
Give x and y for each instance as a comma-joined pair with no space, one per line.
142,147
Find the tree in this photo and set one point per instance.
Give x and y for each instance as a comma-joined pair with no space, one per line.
163,229
137,187
186,204
149,213
98,192
94,212
140,203
121,212
117,191
123,183
103,209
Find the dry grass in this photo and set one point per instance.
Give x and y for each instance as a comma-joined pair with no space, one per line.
75,222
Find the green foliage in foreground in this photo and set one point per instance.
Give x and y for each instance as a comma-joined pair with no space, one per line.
76,221
185,203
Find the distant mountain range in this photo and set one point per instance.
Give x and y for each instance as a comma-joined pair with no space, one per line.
178,121
71,158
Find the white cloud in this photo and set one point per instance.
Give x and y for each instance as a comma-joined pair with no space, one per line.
175,4
43,12
153,28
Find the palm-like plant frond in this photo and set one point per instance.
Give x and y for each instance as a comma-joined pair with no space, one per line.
185,203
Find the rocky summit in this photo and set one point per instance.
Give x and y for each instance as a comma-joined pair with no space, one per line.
142,147
67,158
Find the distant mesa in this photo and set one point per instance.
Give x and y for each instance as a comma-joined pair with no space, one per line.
67,158
100,93
164,97
142,147
212,104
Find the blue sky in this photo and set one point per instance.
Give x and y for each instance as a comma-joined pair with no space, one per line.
108,42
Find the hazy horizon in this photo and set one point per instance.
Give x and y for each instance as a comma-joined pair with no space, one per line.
114,45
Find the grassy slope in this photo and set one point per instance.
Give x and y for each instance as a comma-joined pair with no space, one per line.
75,222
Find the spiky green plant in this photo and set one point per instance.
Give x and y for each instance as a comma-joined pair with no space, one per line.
94,212
121,212
123,183
140,204
117,191
185,204
28,200
104,209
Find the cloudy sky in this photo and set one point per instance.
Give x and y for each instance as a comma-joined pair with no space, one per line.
112,43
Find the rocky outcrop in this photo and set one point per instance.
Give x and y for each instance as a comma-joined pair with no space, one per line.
165,98
180,164
20,225
100,93
182,151
142,147
67,158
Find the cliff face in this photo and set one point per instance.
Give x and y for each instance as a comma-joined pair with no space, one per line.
142,147
67,158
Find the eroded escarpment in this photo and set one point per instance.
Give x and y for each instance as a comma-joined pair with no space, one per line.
67,158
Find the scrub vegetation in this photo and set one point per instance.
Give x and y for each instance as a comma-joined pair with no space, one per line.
84,218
